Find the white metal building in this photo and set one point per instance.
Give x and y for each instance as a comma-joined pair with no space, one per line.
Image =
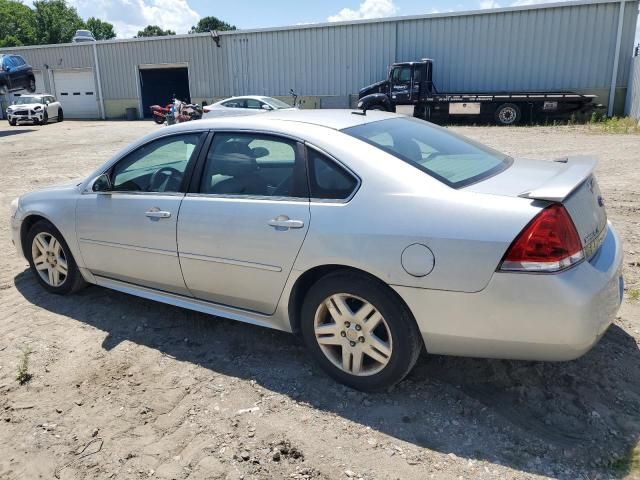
585,46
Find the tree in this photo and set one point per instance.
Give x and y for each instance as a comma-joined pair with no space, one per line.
16,24
208,24
101,30
154,31
55,21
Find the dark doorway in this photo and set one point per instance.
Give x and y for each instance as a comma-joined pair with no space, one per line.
158,86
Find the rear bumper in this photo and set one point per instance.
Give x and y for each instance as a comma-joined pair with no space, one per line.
525,316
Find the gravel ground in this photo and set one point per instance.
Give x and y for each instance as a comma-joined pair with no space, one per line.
126,388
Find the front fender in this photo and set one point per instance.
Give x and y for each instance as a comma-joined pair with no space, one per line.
375,100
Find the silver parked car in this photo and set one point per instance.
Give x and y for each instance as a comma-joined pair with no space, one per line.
372,236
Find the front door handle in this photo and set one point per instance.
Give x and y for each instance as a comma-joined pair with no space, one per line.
282,222
157,213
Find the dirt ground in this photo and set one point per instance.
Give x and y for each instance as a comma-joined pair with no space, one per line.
126,388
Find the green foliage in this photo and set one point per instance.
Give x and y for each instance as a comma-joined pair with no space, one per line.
16,24
22,373
101,30
49,21
154,31
622,125
208,24
55,21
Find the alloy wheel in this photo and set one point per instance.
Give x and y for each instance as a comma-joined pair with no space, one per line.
49,259
353,334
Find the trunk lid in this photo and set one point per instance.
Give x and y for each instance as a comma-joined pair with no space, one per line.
569,181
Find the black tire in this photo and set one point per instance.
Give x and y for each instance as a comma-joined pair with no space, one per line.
73,281
158,119
45,119
13,123
32,85
406,339
60,115
508,114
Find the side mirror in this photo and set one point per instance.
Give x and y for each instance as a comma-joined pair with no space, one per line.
102,184
266,107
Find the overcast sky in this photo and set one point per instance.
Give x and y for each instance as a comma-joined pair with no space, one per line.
129,16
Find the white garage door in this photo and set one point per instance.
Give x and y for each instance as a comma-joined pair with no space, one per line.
76,92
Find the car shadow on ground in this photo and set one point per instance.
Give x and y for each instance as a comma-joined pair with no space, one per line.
574,419
9,133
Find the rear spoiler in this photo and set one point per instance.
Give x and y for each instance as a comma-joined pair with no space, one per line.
559,187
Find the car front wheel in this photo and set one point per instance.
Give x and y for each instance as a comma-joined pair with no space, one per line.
51,261
359,332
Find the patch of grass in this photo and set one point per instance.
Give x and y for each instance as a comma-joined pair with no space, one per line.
633,294
22,374
628,467
624,125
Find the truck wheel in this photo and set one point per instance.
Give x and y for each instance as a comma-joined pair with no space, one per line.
508,114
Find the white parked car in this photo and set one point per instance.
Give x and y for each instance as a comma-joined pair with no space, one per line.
248,105
39,109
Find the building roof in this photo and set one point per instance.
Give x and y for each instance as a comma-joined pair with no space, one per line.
461,13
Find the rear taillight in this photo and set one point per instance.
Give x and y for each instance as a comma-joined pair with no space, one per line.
549,243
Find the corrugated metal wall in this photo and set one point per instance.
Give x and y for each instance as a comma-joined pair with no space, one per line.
548,47
632,107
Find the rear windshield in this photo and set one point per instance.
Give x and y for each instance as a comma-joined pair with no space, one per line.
452,159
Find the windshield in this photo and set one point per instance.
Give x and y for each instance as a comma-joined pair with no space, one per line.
451,158
25,99
278,104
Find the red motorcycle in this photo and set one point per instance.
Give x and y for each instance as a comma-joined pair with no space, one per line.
159,113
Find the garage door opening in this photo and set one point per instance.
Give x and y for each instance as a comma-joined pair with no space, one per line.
158,86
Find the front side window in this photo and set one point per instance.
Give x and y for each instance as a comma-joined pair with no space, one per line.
452,159
255,104
254,165
401,75
18,61
158,166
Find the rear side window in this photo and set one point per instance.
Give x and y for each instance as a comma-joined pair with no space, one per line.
328,180
454,160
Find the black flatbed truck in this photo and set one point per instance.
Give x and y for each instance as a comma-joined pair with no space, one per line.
409,89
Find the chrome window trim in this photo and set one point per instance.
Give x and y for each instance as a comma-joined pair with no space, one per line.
88,191
229,196
350,171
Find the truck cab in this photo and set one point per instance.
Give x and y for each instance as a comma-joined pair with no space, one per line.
407,83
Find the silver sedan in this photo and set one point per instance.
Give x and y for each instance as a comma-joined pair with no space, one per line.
371,236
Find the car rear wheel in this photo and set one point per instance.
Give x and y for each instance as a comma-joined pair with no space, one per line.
60,115
51,261
359,332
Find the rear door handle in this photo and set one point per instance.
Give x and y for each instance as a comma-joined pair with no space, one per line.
157,213
282,222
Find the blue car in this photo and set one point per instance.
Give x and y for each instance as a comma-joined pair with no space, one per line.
15,75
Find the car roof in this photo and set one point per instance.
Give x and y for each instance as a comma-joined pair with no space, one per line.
336,119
